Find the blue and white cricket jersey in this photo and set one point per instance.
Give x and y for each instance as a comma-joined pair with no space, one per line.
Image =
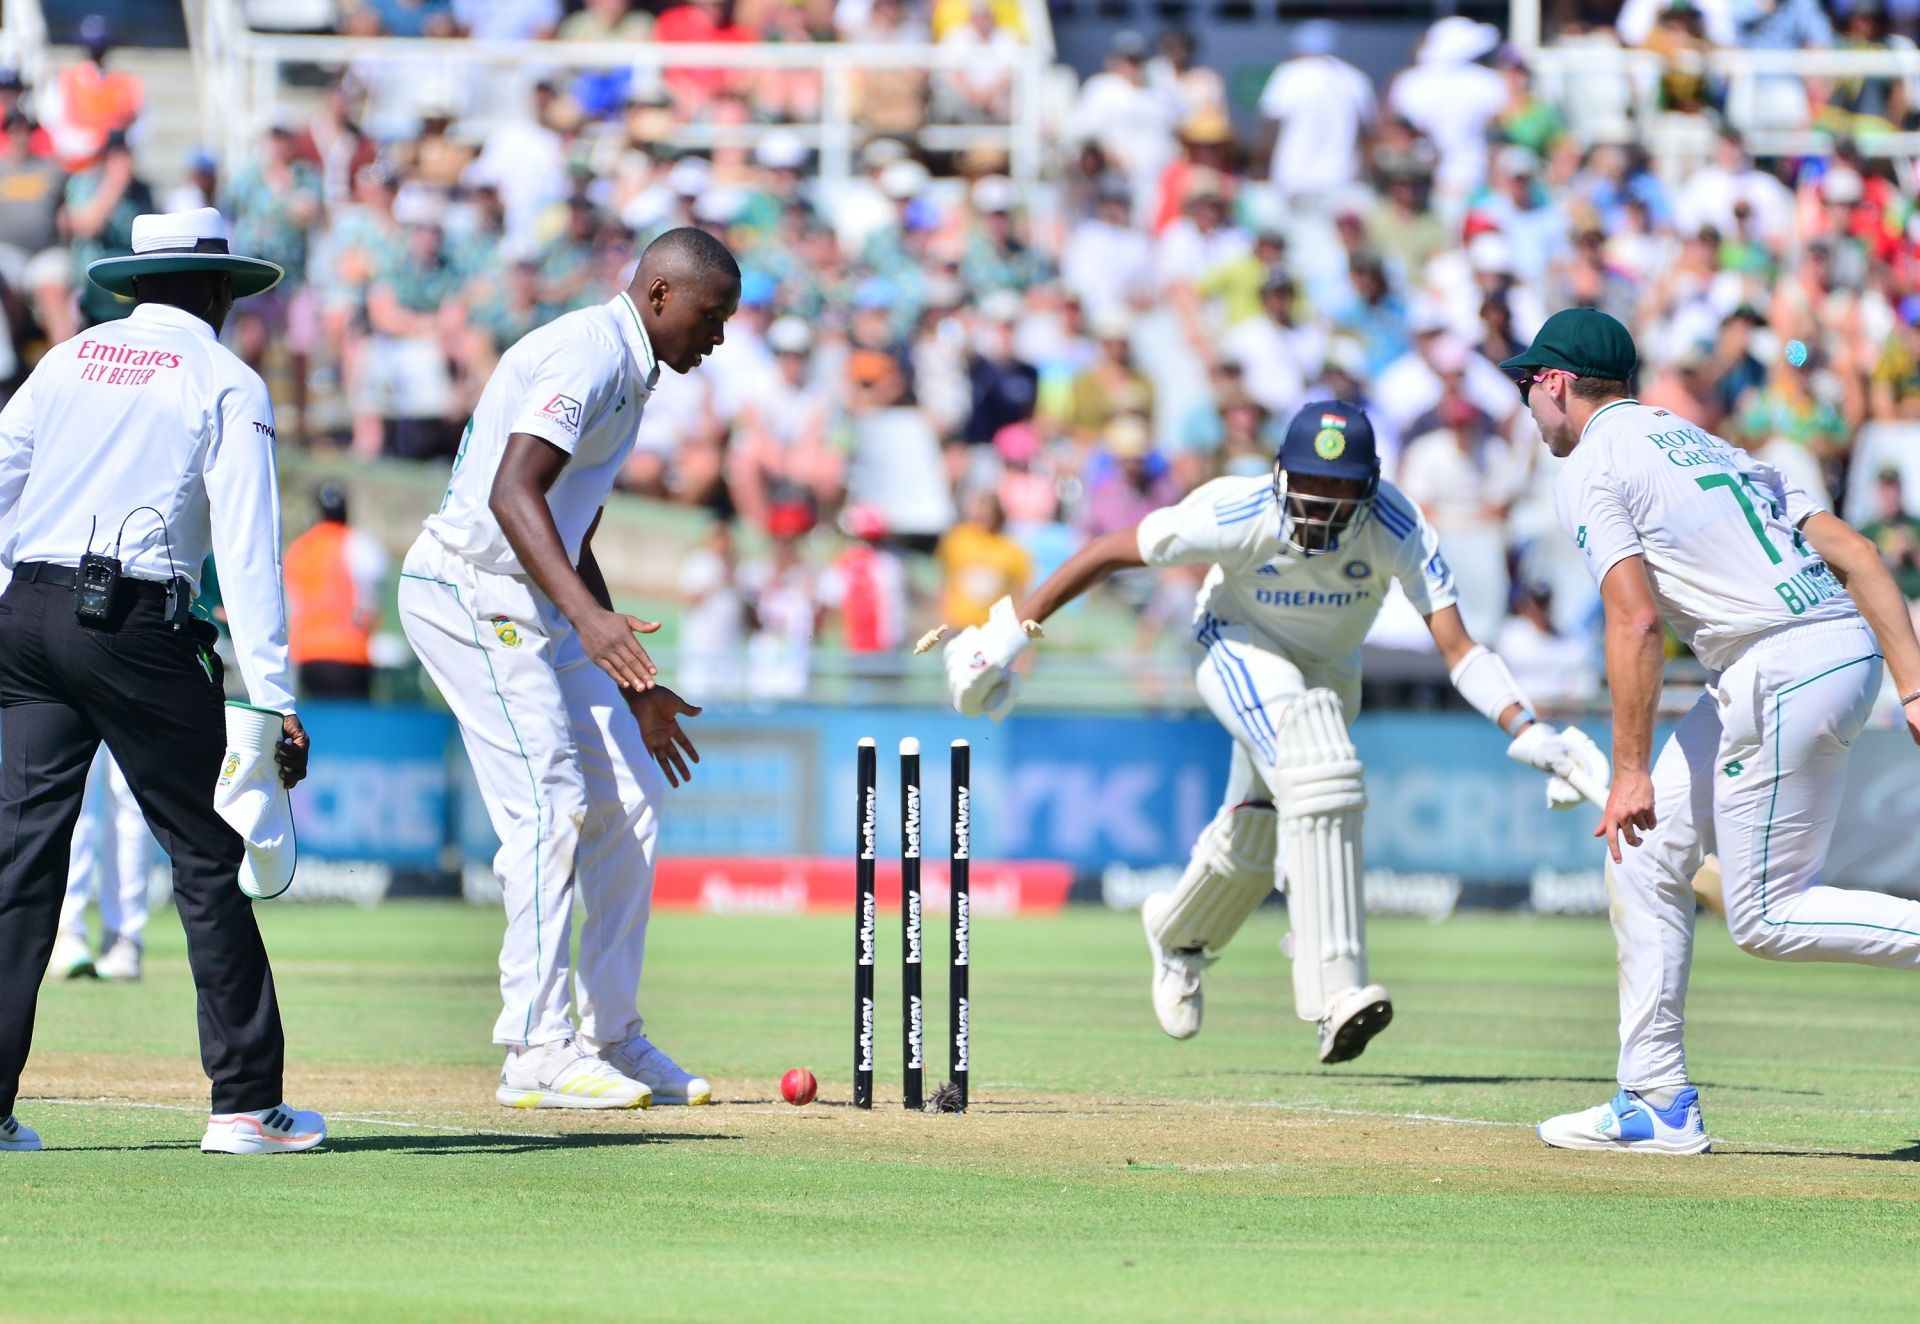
1314,610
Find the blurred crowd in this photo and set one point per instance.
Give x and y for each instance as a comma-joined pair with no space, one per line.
939,382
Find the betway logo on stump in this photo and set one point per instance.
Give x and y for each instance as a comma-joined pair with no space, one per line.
866,1036
913,928
866,929
911,847
866,826
963,929
914,1034
962,823
960,1037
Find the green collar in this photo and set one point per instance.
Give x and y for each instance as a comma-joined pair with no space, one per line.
649,361
1611,404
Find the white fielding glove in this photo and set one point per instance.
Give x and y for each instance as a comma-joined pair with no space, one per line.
251,799
1576,769
979,658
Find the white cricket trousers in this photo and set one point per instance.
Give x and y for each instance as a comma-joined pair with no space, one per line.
112,837
570,787
1249,688
1755,771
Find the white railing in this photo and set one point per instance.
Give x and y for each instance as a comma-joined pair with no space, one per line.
241,74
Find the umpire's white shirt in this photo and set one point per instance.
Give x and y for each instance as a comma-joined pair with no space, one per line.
153,415
580,383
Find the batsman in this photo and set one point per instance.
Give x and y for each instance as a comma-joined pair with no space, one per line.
1301,564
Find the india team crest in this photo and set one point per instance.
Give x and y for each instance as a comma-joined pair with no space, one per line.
506,632
1356,569
1330,443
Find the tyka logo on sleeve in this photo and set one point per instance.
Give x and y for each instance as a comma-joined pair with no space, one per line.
564,409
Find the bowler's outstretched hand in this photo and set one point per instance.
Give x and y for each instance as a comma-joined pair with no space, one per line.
659,710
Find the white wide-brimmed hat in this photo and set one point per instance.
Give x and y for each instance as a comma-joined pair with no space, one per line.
1457,39
183,241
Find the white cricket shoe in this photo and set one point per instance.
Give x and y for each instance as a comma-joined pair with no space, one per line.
637,1059
280,1130
1352,1019
16,1137
121,961
70,959
1177,999
1629,1122
566,1075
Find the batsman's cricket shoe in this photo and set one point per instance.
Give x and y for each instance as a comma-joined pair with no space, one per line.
566,1075
16,1137
1629,1122
1352,1020
280,1130
71,959
1177,999
120,961
637,1059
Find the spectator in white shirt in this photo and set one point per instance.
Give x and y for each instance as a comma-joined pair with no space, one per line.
1451,98
1317,107
1131,123
1107,264
1465,477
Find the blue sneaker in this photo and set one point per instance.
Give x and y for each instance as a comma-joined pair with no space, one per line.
1630,1122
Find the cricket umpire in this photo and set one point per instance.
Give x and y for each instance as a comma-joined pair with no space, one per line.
133,450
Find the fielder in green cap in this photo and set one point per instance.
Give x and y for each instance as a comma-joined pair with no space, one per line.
1800,619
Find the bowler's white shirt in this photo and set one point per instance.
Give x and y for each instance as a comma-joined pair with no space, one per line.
578,382
144,415
1717,529
1310,609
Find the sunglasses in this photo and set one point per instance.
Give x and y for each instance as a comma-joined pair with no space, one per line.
1526,383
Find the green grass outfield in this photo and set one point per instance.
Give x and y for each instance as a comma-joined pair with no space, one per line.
1106,1171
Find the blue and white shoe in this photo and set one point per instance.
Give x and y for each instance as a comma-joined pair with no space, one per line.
16,1137
1629,1122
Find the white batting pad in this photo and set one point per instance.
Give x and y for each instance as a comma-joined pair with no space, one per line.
254,803
1227,877
1322,794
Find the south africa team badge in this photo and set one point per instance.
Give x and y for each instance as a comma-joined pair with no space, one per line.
506,631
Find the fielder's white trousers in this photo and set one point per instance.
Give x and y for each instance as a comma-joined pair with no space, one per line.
1755,771
570,787
111,836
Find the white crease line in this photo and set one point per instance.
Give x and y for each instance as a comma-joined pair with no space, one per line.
338,1117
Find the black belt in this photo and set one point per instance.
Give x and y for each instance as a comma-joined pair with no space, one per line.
65,576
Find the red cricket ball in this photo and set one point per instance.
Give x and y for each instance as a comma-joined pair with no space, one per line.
798,1086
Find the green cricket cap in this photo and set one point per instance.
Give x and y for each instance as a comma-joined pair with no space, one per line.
1583,341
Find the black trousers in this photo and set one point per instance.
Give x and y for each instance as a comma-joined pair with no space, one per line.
153,694
336,680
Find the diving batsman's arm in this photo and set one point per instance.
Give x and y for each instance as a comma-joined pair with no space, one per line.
528,470
1119,550
1575,767
980,658
1856,563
